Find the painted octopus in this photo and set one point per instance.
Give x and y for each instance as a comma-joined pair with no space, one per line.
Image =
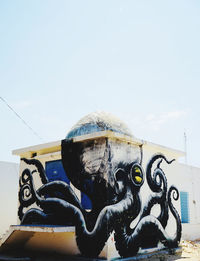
115,196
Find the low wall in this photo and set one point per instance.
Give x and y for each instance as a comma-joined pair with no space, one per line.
190,231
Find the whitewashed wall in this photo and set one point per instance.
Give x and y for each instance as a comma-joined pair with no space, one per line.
9,174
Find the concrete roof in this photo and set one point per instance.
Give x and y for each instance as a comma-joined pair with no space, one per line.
55,146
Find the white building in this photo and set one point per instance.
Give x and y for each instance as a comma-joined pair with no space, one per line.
124,148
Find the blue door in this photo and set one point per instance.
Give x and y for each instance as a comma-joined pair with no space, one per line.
184,207
55,171
85,201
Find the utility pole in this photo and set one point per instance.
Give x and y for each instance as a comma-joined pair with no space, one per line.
185,146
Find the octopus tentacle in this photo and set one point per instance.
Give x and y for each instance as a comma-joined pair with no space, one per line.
25,192
62,190
156,180
39,167
161,195
123,231
25,195
128,244
174,241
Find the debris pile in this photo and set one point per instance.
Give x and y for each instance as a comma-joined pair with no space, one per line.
190,250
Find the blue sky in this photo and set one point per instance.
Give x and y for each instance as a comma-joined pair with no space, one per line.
139,60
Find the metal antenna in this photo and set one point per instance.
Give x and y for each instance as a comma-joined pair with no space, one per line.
185,146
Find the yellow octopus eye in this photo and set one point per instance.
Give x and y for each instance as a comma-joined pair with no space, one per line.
137,170
138,179
137,176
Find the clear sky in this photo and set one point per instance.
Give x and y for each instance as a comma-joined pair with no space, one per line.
139,60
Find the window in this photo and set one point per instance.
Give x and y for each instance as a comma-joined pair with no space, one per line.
184,207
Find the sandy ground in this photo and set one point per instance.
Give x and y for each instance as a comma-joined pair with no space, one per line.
190,252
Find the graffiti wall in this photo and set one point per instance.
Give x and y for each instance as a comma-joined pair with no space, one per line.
109,173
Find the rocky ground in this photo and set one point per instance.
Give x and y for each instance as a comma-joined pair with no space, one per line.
190,250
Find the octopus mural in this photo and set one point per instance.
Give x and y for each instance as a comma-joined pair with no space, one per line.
113,208
111,175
